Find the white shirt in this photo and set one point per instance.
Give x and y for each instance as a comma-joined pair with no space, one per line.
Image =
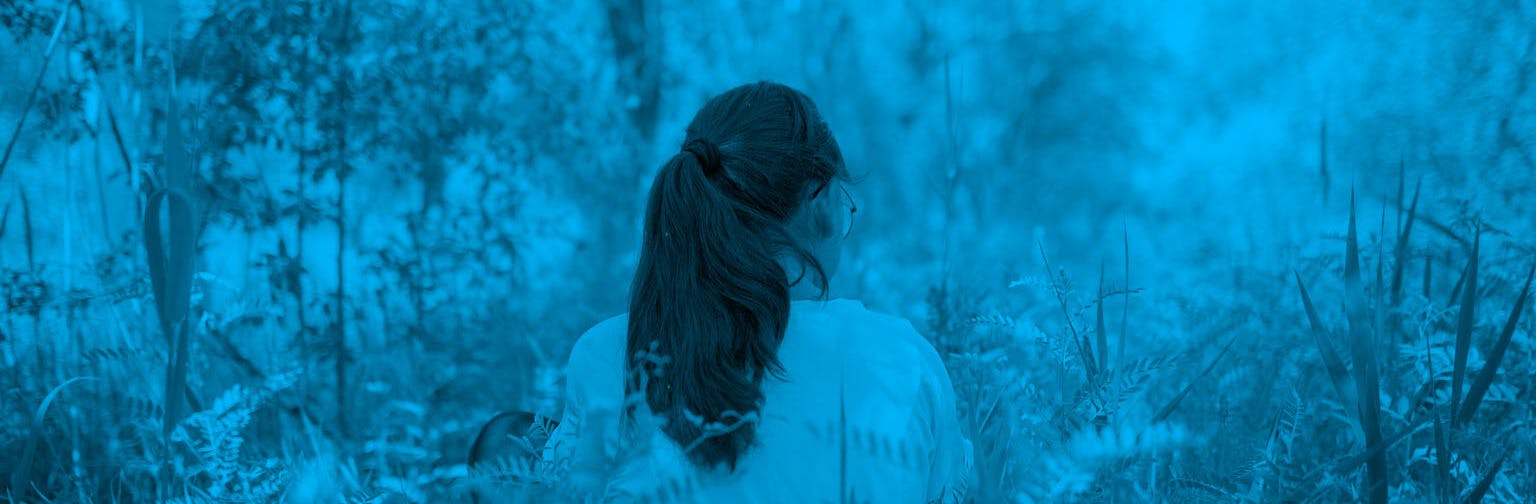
865,405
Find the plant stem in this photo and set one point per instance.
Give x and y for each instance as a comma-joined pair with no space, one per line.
36,85
343,92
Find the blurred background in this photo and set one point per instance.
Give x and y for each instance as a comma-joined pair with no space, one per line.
303,250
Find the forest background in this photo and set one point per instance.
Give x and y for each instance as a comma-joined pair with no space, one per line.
1184,251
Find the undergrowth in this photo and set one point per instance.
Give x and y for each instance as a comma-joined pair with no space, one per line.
218,292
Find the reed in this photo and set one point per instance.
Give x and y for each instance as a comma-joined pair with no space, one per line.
170,253
1338,374
1363,349
170,247
1322,156
37,84
1125,302
1442,471
26,231
1465,320
1173,404
1400,251
5,218
1098,328
1363,398
1485,481
1490,369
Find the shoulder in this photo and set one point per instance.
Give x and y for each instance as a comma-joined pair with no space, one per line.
599,353
899,342
890,331
602,338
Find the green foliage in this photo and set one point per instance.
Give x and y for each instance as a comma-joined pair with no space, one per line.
170,272
426,201
214,436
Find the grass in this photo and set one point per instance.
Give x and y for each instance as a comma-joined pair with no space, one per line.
1365,376
37,84
1084,427
1490,370
1464,323
1362,345
29,242
1368,390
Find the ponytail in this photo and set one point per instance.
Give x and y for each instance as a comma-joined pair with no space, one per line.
710,300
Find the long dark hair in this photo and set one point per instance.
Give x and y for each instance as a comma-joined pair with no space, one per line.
710,296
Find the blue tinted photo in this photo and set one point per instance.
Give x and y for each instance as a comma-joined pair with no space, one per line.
747,251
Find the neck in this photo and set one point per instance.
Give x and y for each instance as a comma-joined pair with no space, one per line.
806,287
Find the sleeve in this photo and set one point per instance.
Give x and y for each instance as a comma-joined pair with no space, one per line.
580,444
951,464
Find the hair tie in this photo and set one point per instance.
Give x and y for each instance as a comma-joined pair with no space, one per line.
706,153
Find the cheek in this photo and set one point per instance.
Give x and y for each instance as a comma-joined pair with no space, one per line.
825,223
828,222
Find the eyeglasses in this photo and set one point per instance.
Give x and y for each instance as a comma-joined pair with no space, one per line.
847,203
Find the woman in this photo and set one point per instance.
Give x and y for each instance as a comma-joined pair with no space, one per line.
743,383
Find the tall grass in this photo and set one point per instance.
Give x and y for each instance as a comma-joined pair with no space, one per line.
1363,342
37,84
28,241
1490,368
1464,323
1359,385
1167,409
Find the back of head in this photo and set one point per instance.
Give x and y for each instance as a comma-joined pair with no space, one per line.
710,299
